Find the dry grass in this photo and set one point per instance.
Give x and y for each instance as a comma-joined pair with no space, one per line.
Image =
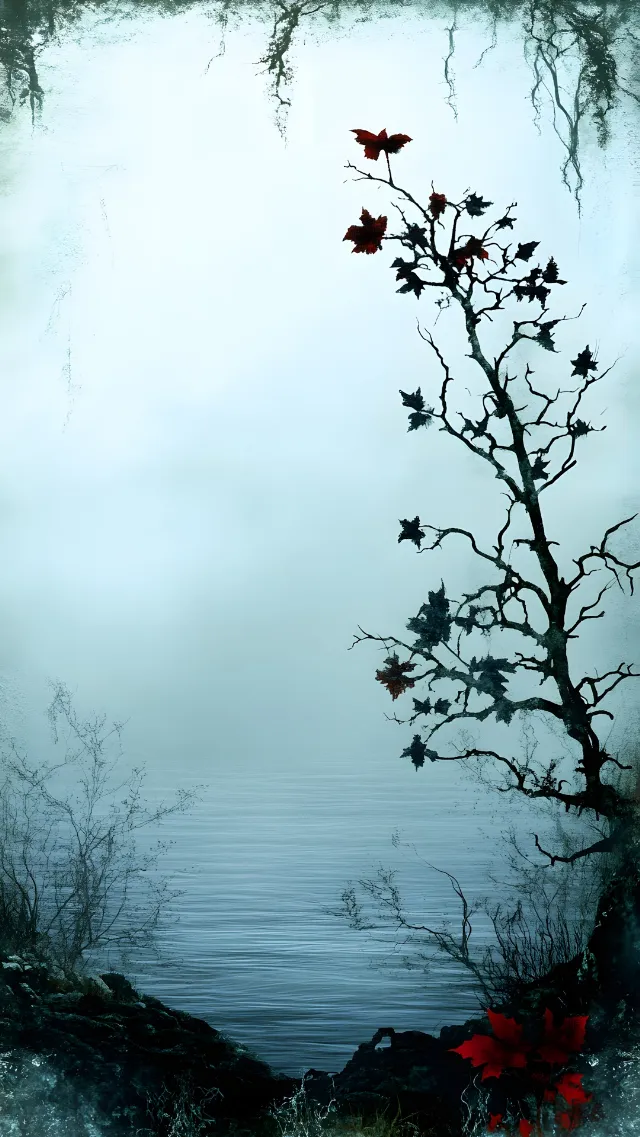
299,1117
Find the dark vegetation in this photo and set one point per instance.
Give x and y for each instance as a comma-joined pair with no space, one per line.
68,867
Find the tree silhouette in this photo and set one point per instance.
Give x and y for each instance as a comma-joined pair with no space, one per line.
529,448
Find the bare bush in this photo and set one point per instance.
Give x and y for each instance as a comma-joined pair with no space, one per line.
66,872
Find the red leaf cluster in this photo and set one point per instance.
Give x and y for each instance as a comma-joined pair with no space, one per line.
367,237
495,1054
473,248
508,1049
437,203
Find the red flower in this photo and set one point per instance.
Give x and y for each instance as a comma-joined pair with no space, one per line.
368,236
559,1041
374,143
506,1049
437,203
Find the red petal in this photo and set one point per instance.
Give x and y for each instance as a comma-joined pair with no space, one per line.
373,143
490,1053
395,142
571,1090
507,1030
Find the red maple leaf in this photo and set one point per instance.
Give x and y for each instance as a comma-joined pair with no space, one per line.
571,1090
494,1122
525,1127
374,143
437,203
506,1049
368,236
393,678
559,1041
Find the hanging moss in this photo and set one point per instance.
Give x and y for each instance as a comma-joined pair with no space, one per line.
557,35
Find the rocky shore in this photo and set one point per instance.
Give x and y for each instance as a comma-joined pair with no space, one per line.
138,1062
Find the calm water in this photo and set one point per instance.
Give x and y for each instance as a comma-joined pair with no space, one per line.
204,459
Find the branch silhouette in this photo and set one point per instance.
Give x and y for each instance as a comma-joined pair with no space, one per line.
480,274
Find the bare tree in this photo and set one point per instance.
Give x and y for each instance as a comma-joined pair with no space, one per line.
528,447
549,925
67,873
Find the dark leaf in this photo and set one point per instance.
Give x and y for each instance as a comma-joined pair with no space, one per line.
420,418
416,235
417,752
538,469
584,363
490,679
422,707
550,274
411,531
579,427
475,206
432,625
406,271
523,252
415,400
530,288
544,335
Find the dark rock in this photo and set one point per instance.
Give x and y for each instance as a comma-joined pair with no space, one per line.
414,1077
127,1052
139,1061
